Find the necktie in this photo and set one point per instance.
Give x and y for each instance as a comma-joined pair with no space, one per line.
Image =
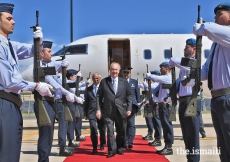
210,70
12,51
95,90
114,86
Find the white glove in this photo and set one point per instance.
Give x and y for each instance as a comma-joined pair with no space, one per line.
79,100
140,86
65,63
38,33
79,74
44,89
70,97
196,27
191,83
88,81
148,75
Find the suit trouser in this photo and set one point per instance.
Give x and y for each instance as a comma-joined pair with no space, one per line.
220,111
190,132
71,124
45,138
94,123
62,125
156,124
78,122
120,124
131,129
11,125
166,125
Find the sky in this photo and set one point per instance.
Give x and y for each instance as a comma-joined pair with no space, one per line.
94,17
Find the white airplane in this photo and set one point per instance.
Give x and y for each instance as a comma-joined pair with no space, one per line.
95,53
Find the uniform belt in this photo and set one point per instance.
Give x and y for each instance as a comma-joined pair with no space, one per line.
161,103
47,98
184,99
11,97
220,92
58,100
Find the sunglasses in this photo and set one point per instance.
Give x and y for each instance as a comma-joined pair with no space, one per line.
126,72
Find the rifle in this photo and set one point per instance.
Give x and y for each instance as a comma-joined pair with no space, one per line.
77,93
67,116
148,108
172,93
39,76
195,68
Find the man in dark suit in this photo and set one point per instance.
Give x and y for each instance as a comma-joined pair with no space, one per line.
90,108
115,105
131,129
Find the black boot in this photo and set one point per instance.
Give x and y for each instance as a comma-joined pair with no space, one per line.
65,152
73,144
148,136
167,150
156,142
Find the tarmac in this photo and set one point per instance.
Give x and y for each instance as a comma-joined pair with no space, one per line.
209,151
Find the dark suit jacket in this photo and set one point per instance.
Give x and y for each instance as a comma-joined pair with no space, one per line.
135,91
90,104
109,103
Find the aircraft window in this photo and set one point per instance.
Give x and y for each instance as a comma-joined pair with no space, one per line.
206,53
73,50
167,53
147,54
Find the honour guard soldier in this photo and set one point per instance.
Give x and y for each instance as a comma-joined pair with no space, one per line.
216,70
131,129
90,108
155,119
164,106
11,84
71,76
189,125
46,132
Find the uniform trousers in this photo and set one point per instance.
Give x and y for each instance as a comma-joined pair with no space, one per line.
190,132
71,124
62,125
11,126
131,128
45,138
156,124
78,122
166,124
220,111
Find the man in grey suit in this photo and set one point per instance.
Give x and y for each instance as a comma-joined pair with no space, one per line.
115,105
90,108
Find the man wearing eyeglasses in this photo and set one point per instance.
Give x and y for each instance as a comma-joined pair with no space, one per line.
131,129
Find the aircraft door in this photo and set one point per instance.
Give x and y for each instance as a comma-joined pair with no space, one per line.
119,51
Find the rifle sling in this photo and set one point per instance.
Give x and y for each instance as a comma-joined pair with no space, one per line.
12,97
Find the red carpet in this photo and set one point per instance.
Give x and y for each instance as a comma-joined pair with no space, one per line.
140,152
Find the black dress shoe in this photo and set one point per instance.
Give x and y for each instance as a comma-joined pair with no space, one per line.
130,146
80,138
110,155
73,144
203,135
65,152
167,150
101,147
148,137
94,151
120,152
155,143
